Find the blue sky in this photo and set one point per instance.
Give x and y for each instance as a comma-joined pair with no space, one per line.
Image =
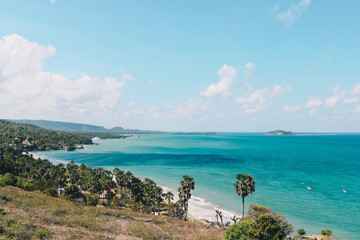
183,65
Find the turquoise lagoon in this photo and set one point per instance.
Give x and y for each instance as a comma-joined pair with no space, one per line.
283,166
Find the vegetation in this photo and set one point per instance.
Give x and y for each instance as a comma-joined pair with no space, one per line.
244,187
326,232
32,215
262,223
280,132
301,232
27,137
187,185
23,215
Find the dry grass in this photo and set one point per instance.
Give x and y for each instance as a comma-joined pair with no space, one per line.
32,215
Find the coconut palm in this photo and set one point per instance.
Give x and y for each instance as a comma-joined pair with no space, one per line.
159,199
244,187
186,186
120,180
169,196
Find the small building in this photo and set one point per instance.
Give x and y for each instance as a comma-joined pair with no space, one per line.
60,190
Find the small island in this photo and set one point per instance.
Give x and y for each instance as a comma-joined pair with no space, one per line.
280,132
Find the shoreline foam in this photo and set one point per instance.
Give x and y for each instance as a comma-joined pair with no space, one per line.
201,209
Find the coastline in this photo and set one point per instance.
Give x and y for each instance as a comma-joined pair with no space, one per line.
199,208
203,210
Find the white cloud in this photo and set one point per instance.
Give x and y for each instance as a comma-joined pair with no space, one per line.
248,69
356,89
28,92
277,90
257,100
52,1
149,82
313,102
351,100
293,13
227,75
292,109
189,109
338,94
131,103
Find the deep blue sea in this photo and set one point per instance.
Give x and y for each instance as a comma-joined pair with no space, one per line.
283,167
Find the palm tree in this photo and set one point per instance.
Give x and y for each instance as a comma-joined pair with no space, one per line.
127,182
244,187
169,196
159,199
186,186
120,180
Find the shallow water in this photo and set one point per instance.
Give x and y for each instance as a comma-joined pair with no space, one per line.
280,164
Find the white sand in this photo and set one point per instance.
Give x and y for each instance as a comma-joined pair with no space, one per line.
202,209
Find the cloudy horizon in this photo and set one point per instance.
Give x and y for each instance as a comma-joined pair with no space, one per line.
169,67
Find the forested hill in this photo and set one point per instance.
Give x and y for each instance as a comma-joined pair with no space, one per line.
64,126
30,137
82,128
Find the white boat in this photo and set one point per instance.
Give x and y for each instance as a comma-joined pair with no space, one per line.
344,191
309,188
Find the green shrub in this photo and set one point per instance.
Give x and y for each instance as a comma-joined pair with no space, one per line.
2,230
71,192
51,191
43,234
266,227
239,231
2,212
10,222
28,186
301,232
92,200
4,199
21,231
326,232
8,179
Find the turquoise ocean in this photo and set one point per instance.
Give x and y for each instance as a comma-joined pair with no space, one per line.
283,166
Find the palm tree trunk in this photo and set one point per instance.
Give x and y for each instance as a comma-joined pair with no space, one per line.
186,210
243,215
159,208
121,195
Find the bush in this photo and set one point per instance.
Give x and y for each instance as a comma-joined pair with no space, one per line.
43,234
21,231
2,212
239,231
51,191
10,222
301,232
92,200
326,232
8,179
4,199
71,192
266,227
28,186
2,230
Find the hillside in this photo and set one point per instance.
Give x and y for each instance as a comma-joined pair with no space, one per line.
30,137
80,127
32,215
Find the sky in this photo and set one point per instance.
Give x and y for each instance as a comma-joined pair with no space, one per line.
235,66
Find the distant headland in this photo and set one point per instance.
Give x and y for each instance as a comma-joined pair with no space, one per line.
283,132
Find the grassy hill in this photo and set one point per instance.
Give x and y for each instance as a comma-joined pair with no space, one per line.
32,215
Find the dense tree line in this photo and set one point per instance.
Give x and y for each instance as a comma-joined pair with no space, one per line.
118,188
30,137
114,188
